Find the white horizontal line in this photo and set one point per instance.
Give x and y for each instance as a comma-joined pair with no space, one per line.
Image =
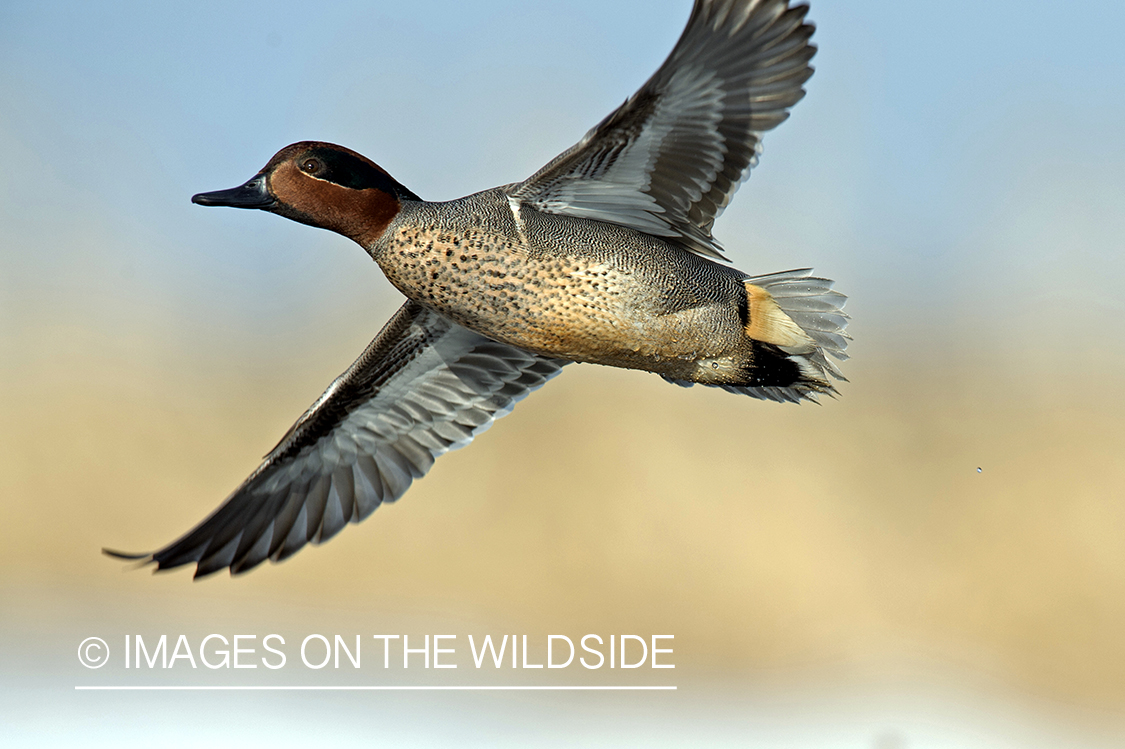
363,688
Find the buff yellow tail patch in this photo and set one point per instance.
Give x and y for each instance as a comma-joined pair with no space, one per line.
769,324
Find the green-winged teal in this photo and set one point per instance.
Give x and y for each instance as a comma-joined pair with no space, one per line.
605,255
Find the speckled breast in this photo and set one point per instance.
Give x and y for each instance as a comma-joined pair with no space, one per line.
569,288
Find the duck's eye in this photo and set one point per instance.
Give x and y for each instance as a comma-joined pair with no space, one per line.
310,166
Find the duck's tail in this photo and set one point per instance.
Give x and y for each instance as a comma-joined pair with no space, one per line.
793,321
795,318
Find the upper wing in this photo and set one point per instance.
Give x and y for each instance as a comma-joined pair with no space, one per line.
669,160
425,385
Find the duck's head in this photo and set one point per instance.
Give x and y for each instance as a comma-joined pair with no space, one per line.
321,184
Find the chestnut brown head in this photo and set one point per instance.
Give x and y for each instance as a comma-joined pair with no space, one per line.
324,185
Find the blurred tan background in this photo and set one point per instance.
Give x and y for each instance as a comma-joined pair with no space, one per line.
936,558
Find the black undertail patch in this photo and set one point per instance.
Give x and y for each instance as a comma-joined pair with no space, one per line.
770,367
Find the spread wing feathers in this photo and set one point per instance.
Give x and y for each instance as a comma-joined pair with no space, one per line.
424,386
669,160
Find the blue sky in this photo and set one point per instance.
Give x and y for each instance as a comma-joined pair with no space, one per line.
940,149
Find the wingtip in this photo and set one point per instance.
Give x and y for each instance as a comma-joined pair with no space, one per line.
126,555
199,573
139,560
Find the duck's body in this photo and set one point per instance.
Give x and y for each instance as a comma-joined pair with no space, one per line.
565,287
602,256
